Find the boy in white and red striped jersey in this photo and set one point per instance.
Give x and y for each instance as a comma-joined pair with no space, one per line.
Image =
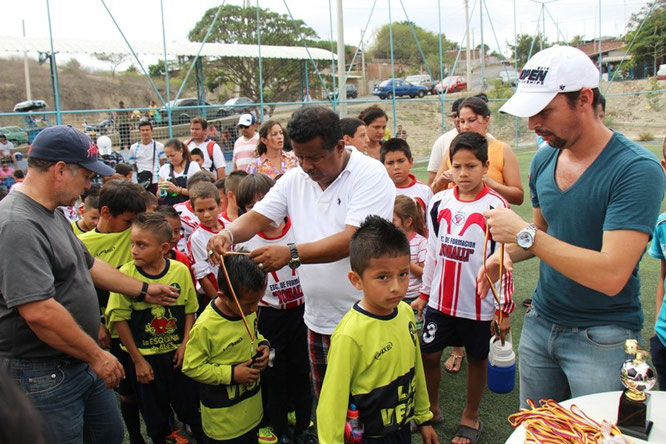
457,315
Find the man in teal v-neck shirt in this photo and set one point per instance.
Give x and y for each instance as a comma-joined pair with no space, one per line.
595,198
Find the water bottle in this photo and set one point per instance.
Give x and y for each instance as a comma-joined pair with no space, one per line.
353,426
501,365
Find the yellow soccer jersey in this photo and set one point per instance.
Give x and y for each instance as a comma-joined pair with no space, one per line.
76,229
112,248
217,343
155,329
374,362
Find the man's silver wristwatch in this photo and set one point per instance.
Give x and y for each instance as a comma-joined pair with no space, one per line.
525,237
295,260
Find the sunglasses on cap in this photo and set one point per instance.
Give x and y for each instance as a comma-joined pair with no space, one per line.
243,126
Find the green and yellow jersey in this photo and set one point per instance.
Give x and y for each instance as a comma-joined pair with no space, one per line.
155,329
112,248
374,362
217,343
76,229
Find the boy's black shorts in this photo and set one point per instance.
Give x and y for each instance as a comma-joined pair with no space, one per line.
126,386
441,330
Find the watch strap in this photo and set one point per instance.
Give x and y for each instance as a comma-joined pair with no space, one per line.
144,292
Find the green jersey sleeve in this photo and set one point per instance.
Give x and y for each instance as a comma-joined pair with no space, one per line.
197,363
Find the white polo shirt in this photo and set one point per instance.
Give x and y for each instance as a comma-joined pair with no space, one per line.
361,189
147,157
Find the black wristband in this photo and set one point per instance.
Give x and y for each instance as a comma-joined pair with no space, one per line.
144,292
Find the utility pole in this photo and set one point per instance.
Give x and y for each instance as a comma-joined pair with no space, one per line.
26,68
468,74
365,80
482,51
342,89
543,25
601,71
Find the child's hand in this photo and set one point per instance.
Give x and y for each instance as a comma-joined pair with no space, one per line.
261,361
418,305
144,372
428,434
504,327
244,373
178,356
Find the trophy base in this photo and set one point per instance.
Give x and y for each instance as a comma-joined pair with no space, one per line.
632,417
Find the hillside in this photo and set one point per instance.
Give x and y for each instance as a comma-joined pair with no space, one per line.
79,88
637,115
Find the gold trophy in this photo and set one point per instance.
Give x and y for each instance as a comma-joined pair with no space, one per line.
637,377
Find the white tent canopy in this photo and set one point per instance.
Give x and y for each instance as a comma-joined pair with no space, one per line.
174,49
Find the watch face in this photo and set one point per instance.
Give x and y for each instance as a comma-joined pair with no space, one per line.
525,239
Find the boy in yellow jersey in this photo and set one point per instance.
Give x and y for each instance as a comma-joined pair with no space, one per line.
374,361
155,336
119,203
89,211
223,358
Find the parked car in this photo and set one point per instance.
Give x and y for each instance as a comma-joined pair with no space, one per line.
184,115
451,84
14,134
509,76
352,93
235,106
385,89
423,80
661,72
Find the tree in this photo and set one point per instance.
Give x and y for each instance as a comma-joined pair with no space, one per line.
156,70
577,40
405,48
281,77
521,52
650,43
113,59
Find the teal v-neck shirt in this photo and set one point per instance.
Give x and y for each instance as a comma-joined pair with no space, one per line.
621,190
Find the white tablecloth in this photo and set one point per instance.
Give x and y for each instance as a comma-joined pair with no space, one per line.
602,406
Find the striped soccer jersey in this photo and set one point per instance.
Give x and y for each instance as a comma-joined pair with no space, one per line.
188,223
455,254
418,191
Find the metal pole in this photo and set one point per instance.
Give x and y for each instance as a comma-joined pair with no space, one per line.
441,66
330,33
342,90
515,64
468,53
261,71
365,80
54,70
392,67
482,52
26,68
601,73
166,71
543,25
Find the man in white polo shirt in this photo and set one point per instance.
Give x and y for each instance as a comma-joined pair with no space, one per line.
327,198
246,144
211,151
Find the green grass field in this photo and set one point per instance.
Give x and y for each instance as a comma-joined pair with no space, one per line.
496,408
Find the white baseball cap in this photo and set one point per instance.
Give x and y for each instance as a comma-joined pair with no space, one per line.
105,145
246,120
554,70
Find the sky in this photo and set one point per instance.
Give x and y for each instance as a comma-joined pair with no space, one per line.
140,19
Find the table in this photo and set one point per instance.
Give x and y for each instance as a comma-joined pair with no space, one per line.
600,406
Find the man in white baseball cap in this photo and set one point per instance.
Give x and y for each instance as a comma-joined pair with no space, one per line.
595,198
246,145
